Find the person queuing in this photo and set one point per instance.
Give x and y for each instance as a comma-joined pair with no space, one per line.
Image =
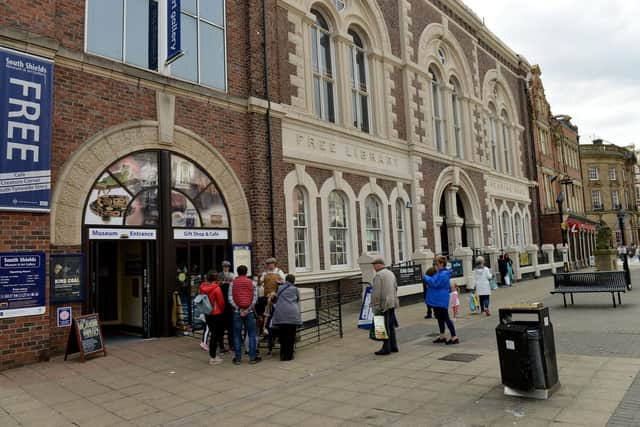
214,319
243,296
286,316
438,297
430,272
482,285
384,299
225,278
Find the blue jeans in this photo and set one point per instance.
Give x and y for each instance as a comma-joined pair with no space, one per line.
249,322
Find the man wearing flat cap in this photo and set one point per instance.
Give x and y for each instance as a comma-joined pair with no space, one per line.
271,277
384,299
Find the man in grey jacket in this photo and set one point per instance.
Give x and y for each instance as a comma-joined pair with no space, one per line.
384,299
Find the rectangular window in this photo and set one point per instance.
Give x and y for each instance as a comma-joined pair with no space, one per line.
494,141
595,200
127,31
615,199
457,124
612,174
593,173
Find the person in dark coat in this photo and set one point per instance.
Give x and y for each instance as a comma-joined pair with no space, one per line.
503,270
286,316
430,272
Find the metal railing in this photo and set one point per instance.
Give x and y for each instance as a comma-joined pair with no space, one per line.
543,257
557,256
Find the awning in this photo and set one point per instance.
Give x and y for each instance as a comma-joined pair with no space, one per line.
574,225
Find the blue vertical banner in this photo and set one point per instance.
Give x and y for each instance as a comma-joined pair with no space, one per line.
26,105
174,48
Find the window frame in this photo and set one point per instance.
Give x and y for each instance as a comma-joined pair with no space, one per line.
346,228
368,228
517,230
457,119
506,141
594,174
615,199
401,230
319,74
356,85
613,175
596,206
437,112
299,189
506,229
493,140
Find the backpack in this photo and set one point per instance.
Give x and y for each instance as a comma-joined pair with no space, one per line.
203,304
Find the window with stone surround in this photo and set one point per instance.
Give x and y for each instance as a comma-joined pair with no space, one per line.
517,225
506,230
596,202
300,229
401,230
457,118
323,70
612,174
504,122
437,116
373,224
593,173
338,229
359,83
493,137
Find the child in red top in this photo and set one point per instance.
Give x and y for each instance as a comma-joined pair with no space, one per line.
215,319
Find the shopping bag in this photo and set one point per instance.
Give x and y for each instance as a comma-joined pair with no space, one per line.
476,301
507,280
378,331
472,303
493,284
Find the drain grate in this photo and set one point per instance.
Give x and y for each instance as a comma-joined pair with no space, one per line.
460,357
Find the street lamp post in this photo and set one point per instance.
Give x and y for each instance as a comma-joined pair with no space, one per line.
559,201
625,262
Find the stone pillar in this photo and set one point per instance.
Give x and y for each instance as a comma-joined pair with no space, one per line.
548,249
493,258
454,222
424,257
367,270
466,255
532,250
514,254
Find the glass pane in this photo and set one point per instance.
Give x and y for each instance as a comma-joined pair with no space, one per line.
314,49
365,113
107,202
316,96
328,88
183,212
325,54
137,34
362,74
188,6
213,11
212,56
212,208
187,66
144,209
187,177
137,171
105,27
354,104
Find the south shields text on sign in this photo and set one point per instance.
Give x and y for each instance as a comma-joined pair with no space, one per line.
327,149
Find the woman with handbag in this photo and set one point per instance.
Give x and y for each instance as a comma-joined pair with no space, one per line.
215,319
438,297
286,316
482,284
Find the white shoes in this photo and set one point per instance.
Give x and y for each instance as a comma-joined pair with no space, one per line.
216,360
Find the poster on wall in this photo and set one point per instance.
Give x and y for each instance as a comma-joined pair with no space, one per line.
26,95
66,278
22,278
242,256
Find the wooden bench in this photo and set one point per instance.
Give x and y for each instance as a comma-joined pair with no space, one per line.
586,282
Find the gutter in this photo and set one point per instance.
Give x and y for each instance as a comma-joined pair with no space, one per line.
265,55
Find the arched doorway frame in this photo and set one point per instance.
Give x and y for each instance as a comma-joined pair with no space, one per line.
458,178
76,178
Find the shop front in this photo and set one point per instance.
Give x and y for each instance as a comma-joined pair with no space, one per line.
154,224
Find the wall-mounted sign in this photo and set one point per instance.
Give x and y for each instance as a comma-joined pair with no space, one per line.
22,291
26,93
122,233
174,50
64,317
200,234
242,256
66,278
455,265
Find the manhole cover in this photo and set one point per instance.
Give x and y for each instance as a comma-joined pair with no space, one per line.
460,357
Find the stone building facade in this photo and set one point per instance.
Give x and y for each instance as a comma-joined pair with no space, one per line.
557,154
608,174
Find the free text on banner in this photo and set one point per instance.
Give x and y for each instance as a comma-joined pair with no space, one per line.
26,100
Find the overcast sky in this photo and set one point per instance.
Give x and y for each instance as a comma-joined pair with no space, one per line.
589,54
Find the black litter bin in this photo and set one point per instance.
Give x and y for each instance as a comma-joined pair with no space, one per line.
526,349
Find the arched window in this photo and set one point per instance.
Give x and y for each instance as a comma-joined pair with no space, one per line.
494,227
493,136
373,224
300,229
401,230
517,225
457,118
525,228
506,230
359,83
506,142
338,229
436,110
323,75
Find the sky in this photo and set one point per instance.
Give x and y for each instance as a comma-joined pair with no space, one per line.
589,54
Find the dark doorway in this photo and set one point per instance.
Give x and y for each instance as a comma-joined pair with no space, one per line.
444,232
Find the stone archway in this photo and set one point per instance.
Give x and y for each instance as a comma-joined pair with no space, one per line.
81,170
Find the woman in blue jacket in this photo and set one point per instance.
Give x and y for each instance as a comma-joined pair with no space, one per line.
438,297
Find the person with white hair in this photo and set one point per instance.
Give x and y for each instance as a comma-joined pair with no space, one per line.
482,285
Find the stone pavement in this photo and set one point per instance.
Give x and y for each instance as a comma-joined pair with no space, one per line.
340,382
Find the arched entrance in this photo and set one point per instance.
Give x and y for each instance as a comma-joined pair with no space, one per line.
140,210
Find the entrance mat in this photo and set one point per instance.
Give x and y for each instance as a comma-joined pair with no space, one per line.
460,357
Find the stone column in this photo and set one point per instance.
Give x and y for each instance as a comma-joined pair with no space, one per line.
454,222
532,250
424,257
493,257
514,254
466,255
548,249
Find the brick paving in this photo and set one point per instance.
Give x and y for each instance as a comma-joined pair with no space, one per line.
340,382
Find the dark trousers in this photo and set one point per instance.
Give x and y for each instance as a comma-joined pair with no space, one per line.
391,344
442,314
216,329
227,326
287,337
424,292
484,302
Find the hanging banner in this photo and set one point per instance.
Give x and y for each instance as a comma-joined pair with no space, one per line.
22,278
26,100
366,313
174,48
